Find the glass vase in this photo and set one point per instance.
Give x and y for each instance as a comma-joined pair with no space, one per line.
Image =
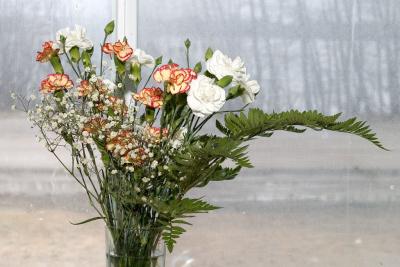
135,248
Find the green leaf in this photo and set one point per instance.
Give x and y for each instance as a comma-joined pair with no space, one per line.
197,67
172,215
149,117
235,92
86,59
56,63
88,220
109,28
90,51
63,39
136,72
209,75
75,55
158,60
225,81
120,66
208,54
222,128
258,123
187,43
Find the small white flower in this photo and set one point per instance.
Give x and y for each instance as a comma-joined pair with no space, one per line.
114,172
221,65
13,107
76,37
93,79
145,180
204,97
120,85
85,133
87,69
32,97
109,84
13,96
154,164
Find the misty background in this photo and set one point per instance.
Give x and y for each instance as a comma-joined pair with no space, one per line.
319,198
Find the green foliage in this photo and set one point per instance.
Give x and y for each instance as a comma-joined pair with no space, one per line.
225,81
158,60
86,59
56,63
88,220
197,67
74,52
208,53
201,161
173,215
257,123
235,92
187,43
120,66
109,28
136,72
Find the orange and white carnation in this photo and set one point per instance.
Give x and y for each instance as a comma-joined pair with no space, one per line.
84,88
95,125
180,80
55,82
151,97
47,52
107,48
124,145
163,73
154,134
122,50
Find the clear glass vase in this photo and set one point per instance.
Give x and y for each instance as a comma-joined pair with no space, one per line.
135,248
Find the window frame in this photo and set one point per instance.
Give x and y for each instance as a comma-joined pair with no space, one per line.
125,14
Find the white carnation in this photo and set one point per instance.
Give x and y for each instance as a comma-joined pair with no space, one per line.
204,97
221,65
251,89
76,37
140,57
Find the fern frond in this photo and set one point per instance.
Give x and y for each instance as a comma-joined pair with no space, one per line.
173,214
257,123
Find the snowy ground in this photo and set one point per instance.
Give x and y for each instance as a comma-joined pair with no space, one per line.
317,199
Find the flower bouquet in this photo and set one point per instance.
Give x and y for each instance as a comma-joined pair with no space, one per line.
136,144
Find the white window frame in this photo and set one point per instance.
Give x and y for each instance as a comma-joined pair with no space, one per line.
125,14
